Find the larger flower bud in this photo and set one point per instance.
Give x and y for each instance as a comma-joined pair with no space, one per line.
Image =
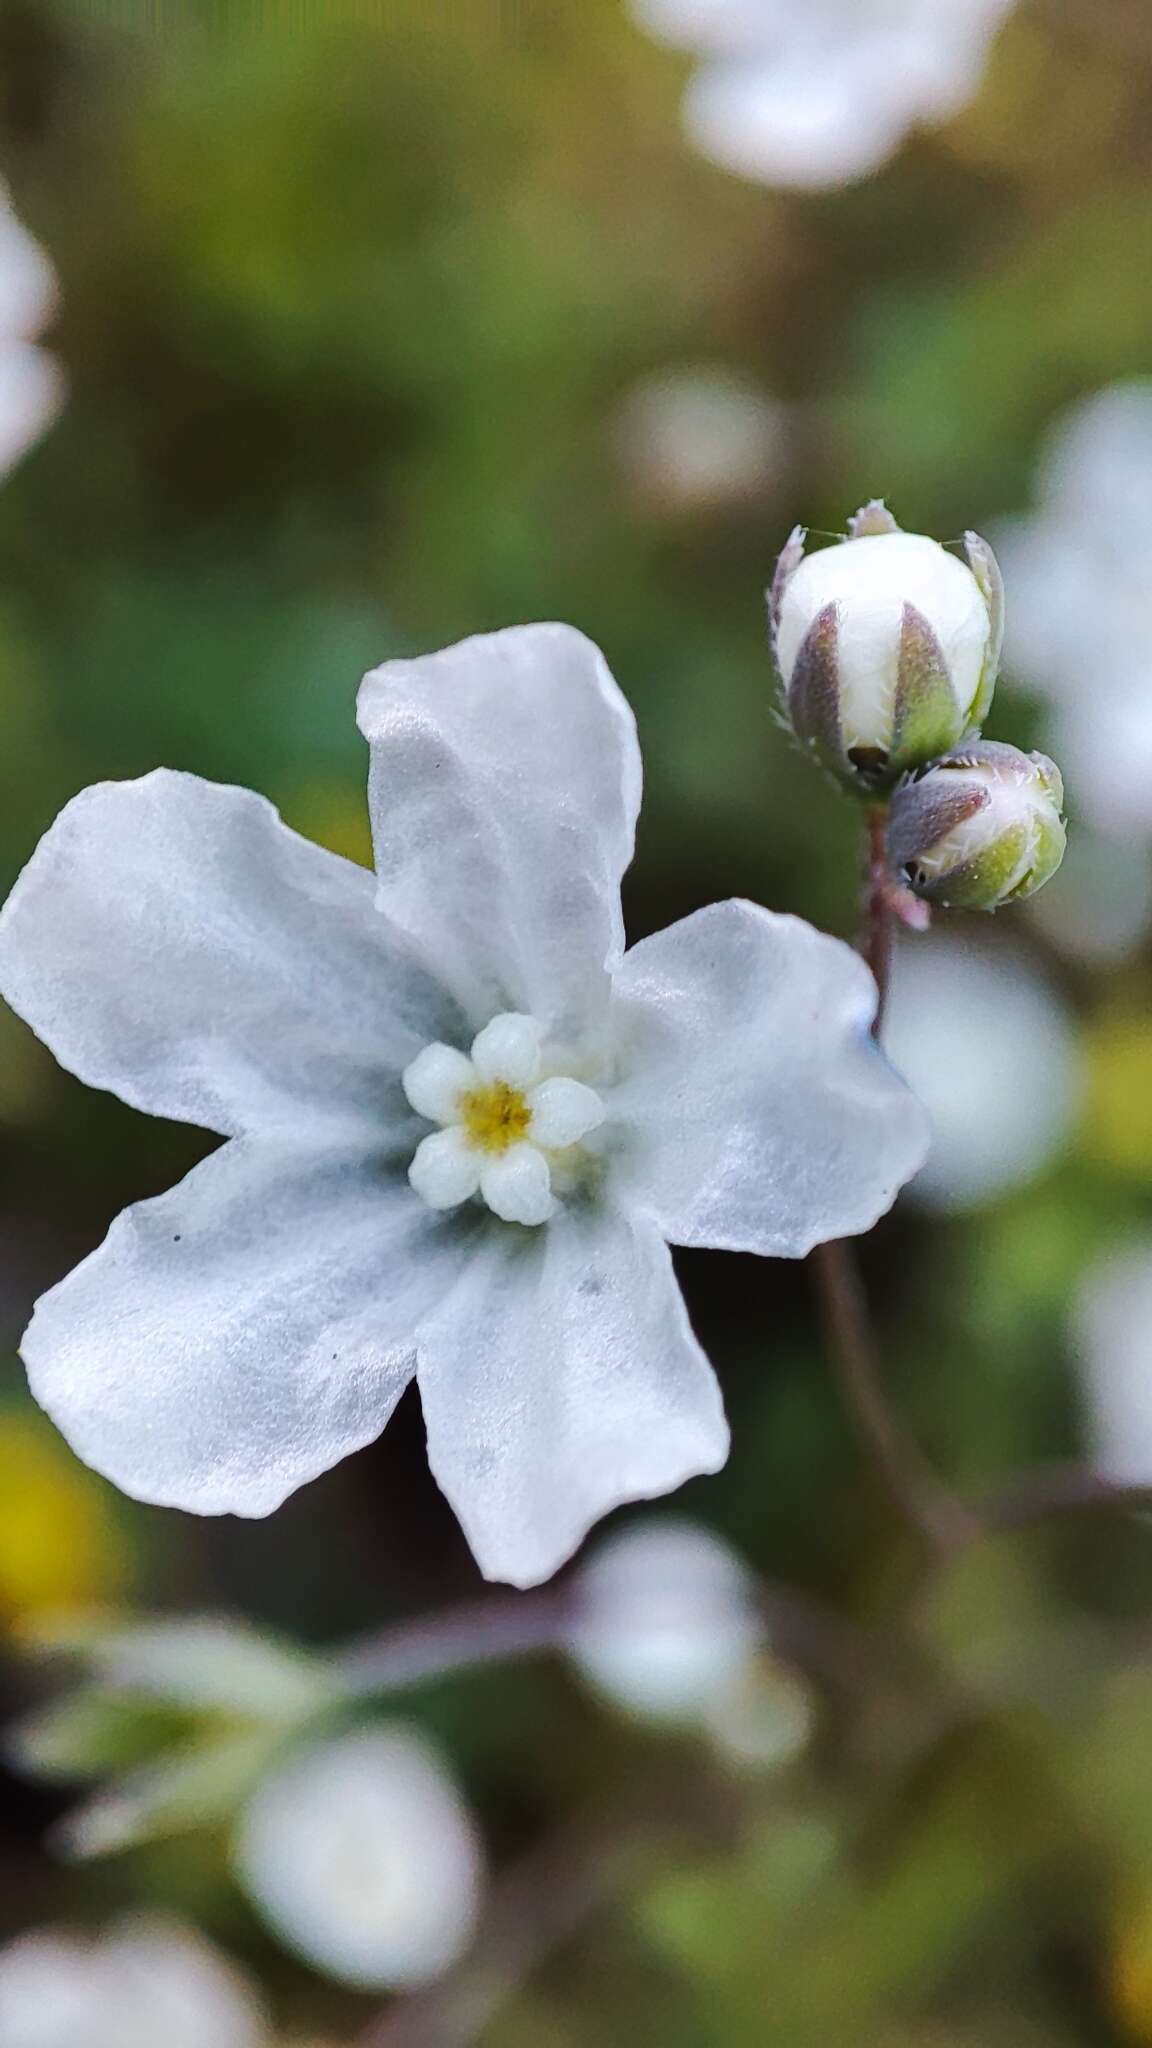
887,646
979,828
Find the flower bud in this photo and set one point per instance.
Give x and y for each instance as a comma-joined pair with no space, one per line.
979,828
887,646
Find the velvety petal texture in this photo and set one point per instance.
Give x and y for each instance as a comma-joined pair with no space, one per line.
560,1378
754,1111
504,787
460,1124
238,1335
172,940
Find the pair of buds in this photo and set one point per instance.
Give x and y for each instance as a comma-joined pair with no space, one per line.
888,649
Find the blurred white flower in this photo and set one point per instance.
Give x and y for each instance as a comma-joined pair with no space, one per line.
764,1719
822,93
173,941
1099,906
697,438
668,1627
362,1856
665,1619
1079,572
989,1048
1113,1337
145,1984
31,382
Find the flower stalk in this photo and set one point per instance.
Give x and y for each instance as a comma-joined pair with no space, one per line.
909,1480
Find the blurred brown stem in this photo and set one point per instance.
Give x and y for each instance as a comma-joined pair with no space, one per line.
1060,1490
876,942
486,1632
533,1909
908,1478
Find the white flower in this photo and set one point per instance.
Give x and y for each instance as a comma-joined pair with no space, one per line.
887,646
1099,906
363,1857
31,385
702,437
505,1127
990,1050
821,94
665,1619
146,1982
173,941
667,1625
1113,1328
1080,627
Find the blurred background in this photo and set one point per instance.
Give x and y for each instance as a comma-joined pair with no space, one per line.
379,322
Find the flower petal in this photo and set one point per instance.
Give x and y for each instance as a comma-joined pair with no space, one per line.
435,1081
563,1112
173,941
243,1332
559,1379
508,1049
755,1112
446,1168
518,1186
504,788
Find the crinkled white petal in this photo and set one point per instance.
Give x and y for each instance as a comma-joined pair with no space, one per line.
504,787
435,1081
172,940
560,1379
563,1112
240,1334
32,389
362,1855
445,1169
149,1981
754,1111
517,1185
508,1049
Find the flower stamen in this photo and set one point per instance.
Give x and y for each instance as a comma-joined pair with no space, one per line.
502,1129
495,1116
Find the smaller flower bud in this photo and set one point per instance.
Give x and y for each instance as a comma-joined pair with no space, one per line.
887,646
979,828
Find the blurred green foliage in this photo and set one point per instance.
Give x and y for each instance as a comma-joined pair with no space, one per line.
353,295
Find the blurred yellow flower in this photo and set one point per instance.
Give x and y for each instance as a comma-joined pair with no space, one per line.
1129,1981
1118,1120
60,1549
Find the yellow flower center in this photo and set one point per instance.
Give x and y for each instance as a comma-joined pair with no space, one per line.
494,1117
